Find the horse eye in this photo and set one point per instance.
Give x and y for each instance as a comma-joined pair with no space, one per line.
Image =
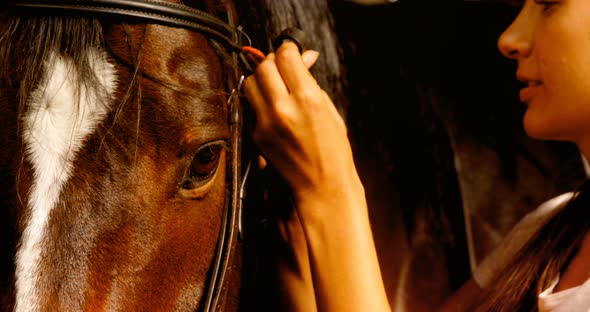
203,165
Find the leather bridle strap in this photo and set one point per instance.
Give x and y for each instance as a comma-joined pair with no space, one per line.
228,235
172,14
148,11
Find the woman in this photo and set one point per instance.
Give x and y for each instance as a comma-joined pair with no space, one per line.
543,264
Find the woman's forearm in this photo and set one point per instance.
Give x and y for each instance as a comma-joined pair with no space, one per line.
295,282
342,255
300,131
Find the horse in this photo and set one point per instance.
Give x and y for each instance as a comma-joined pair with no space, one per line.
121,132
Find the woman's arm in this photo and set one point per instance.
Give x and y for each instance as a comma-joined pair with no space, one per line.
335,265
300,131
343,259
295,282
463,299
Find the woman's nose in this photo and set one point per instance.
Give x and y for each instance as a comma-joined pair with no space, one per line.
516,41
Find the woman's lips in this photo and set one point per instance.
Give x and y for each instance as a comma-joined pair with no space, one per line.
529,91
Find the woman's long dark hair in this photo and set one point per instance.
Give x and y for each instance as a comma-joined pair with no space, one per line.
541,259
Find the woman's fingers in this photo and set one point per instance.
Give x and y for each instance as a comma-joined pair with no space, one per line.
269,84
269,80
292,68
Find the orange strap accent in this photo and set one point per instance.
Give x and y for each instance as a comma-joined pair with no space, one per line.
257,54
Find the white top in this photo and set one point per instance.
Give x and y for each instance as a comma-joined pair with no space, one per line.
569,300
575,299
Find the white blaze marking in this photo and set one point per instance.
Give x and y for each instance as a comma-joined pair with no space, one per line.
62,113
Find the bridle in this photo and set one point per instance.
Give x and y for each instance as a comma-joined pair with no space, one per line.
244,59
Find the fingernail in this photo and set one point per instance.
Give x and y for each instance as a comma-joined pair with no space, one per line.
310,57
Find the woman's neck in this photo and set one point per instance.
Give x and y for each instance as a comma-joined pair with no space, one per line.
578,270
584,148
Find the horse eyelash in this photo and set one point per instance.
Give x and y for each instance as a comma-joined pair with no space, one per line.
223,144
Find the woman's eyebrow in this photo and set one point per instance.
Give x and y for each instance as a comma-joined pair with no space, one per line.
509,2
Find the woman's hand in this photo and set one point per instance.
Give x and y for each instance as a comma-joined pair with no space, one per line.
298,128
301,133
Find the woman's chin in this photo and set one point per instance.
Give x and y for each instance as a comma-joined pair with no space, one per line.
537,129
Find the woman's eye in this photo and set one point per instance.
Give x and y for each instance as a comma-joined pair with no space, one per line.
515,3
203,165
546,4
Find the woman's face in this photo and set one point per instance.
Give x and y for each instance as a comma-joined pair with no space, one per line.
550,39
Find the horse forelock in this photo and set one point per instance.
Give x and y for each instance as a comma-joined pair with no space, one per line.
61,112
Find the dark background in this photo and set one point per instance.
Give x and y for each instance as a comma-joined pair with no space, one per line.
435,123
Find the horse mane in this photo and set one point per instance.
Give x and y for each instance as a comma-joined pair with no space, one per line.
265,19
27,45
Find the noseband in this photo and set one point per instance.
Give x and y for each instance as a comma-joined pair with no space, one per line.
244,60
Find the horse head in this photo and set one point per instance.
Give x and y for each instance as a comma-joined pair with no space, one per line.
121,154
123,141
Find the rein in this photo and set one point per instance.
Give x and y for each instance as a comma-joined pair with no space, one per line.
244,57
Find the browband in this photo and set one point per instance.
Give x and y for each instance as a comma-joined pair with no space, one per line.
158,12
